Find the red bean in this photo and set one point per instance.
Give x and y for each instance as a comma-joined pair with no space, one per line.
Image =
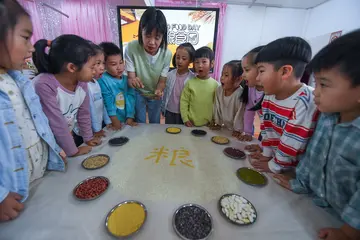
91,188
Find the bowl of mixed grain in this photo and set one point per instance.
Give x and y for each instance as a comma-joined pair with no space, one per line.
95,161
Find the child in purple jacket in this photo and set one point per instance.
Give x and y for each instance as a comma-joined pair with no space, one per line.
252,94
62,89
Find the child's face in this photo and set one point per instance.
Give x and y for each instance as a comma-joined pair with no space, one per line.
202,67
335,93
87,72
18,45
227,80
99,65
152,41
269,79
182,59
250,72
115,65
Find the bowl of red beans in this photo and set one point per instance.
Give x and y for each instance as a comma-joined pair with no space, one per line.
91,188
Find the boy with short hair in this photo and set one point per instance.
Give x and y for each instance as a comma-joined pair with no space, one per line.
330,168
197,97
288,114
119,99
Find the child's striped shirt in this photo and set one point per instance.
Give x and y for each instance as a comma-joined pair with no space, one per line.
286,127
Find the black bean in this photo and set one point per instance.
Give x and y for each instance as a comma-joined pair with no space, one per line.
193,223
118,141
198,132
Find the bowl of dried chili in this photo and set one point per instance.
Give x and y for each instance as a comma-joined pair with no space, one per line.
91,188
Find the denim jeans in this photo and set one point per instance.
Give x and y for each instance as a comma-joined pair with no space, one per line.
153,106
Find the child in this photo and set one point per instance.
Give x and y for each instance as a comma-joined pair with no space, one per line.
197,98
330,168
98,111
147,63
288,110
118,98
228,110
27,144
176,80
62,88
252,94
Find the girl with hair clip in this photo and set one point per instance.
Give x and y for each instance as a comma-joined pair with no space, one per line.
98,113
147,64
27,145
252,95
62,87
175,83
228,110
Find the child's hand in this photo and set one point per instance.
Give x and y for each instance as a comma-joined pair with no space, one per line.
83,150
131,122
213,126
258,156
109,126
99,134
136,83
116,124
63,156
236,134
333,234
245,138
283,180
189,124
10,207
94,142
253,148
261,166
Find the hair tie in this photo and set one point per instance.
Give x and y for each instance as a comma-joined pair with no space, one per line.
48,43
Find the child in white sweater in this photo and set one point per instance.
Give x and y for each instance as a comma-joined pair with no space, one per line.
228,108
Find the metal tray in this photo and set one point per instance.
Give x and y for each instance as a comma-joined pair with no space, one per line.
118,144
89,199
228,219
173,132
212,139
192,205
231,156
96,155
252,184
118,205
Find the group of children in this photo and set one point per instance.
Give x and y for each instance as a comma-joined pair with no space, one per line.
81,88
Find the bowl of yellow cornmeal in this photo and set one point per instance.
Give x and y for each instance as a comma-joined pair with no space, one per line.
173,130
126,219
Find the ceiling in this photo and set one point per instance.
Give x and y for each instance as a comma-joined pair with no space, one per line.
301,4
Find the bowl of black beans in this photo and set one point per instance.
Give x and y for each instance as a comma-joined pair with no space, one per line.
192,222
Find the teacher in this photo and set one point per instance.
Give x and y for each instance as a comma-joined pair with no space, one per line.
147,64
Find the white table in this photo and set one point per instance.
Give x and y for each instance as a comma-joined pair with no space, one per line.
52,213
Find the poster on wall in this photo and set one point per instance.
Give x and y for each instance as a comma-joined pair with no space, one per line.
197,26
335,35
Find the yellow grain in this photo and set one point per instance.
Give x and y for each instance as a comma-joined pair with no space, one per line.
173,130
126,219
220,139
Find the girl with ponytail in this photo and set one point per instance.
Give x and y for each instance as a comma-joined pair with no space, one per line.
62,87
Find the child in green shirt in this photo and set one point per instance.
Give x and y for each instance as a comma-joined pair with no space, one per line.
197,97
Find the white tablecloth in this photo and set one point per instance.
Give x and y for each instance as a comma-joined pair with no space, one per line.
52,213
